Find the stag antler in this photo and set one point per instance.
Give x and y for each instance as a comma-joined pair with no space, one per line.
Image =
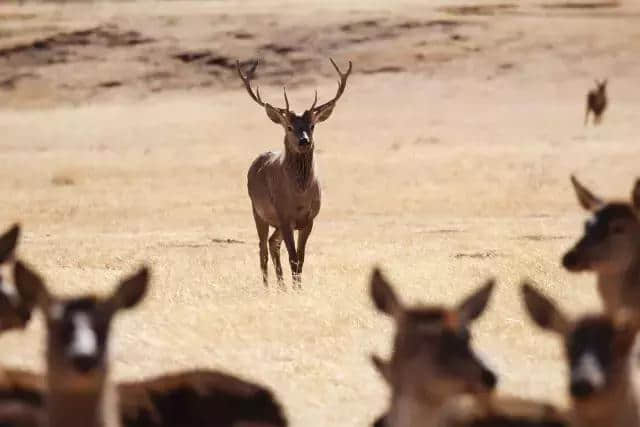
246,79
342,84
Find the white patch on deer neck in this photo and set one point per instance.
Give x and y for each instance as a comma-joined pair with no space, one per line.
589,369
84,341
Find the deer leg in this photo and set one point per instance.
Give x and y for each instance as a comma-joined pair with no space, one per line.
287,235
263,235
303,236
274,247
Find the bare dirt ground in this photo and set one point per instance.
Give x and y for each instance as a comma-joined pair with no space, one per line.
126,137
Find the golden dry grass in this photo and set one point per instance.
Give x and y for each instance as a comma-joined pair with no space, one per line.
443,175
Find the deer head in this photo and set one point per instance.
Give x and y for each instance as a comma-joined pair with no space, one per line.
78,328
601,86
298,128
432,355
597,347
611,238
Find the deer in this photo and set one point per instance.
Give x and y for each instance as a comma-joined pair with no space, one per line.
610,247
196,397
78,389
436,379
283,186
598,349
596,102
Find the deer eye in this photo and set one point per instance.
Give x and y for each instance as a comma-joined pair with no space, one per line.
312,126
290,128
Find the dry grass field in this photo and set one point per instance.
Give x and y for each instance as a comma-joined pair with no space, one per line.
125,138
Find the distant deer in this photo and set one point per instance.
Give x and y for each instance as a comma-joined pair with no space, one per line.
598,349
435,377
283,187
610,247
78,391
596,102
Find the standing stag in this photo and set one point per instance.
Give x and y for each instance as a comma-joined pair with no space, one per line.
283,186
596,102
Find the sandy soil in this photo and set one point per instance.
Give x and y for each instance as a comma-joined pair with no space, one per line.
126,137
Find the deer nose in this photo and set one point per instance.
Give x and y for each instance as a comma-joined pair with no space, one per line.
489,379
570,260
304,139
84,363
581,388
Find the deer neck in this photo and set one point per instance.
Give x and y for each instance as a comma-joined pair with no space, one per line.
81,406
621,289
411,410
616,407
300,167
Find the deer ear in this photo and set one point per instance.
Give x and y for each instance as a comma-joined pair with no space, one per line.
383,295
275,115
322,114
543,311
382,366
8,242
586,198
30,286
474,305
131,290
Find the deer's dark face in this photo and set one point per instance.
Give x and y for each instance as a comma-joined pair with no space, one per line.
432,354
77,335
597,347
611,240
299,132
432,351
596,350
78,328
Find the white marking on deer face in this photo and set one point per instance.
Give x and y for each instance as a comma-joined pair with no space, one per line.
588,370
84,341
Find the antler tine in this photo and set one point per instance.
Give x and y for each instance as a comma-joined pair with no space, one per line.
286,100
315,100
246,79
342,84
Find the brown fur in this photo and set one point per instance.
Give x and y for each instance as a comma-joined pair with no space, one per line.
193,398
283,187
596,102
